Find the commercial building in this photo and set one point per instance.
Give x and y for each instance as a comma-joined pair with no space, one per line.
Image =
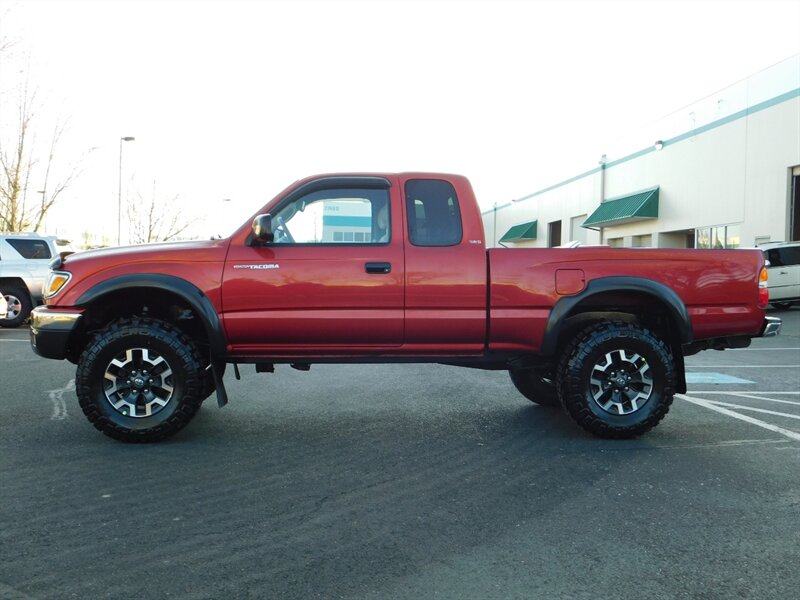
724,172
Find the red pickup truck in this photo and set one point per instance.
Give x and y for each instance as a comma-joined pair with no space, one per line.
391,268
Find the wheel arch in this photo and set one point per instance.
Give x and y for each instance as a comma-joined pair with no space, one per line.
130,290
647,302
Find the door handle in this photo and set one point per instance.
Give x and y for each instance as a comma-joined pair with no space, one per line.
378,268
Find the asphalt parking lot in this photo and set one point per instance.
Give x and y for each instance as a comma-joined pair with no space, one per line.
417,481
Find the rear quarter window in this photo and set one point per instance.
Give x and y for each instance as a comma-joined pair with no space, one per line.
434,218
30,249
783,257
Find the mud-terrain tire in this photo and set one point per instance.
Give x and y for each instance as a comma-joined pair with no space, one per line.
536,385
140,380
617,380
19,306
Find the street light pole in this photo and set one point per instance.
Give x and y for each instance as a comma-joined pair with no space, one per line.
119,197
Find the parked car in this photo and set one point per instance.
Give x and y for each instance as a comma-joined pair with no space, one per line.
784,272
24,266
3,306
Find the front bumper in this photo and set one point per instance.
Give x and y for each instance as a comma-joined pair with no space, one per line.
771,327
51,330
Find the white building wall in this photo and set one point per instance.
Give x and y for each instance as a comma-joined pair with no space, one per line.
736,171
773,149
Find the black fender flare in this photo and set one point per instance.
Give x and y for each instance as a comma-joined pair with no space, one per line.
564,307
194,297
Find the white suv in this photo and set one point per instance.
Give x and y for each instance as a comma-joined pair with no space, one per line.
24,265
784,272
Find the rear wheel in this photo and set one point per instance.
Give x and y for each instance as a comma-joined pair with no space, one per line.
782,305
617,380
19,306
536,385
140,380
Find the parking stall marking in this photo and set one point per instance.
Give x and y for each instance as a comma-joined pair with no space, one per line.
754,409
711,405
760,349
741,366
765,399
717,378
59,404
734,393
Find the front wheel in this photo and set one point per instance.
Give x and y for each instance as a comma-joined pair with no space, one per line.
140,380
617,380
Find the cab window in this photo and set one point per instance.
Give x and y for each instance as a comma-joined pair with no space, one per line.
31,249
335,216
434,218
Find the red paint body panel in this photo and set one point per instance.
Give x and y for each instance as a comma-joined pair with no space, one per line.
718,287
198,262
318,300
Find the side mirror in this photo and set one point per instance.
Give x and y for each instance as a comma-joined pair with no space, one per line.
262,229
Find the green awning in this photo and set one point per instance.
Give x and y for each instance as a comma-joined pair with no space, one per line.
520,233
625,209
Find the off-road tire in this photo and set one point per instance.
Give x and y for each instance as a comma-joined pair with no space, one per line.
20,299
581,380
536,385
164,341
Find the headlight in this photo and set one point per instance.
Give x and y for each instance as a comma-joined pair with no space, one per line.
55,281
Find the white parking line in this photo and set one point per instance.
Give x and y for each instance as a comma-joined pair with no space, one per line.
59,404
742,366
753,409
792,435
754,397
25,341
743,394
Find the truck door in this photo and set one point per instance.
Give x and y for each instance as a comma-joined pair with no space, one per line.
332,279
445,270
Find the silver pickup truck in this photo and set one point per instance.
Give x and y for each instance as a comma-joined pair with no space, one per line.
24,266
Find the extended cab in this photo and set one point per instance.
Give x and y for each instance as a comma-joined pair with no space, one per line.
391,268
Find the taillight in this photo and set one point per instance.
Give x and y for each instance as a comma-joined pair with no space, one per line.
763,290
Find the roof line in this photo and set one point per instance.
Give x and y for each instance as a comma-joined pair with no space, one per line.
790,95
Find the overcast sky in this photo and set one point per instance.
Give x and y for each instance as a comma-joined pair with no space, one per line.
235,100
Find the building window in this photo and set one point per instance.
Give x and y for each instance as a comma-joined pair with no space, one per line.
642,241
616,242
718,237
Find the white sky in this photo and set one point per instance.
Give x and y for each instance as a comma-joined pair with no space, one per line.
238,99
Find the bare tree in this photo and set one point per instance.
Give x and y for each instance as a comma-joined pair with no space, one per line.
16,165
156,219
22,160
